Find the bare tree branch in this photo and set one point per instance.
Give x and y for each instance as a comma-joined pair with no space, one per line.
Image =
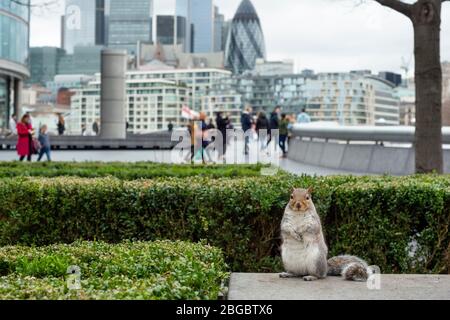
398,6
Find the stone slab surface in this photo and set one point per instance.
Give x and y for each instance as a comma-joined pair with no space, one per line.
257,286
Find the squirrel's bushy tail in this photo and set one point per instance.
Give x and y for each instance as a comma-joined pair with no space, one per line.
349,267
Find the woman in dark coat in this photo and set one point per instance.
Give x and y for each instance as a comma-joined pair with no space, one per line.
262,123
25,138
222,124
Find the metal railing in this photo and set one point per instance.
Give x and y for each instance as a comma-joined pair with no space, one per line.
399,134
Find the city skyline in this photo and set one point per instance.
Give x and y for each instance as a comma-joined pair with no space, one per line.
327,48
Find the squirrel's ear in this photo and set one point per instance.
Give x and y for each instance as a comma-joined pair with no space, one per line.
293,189
310,190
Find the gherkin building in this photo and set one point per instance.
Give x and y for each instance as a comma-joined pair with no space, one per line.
245,41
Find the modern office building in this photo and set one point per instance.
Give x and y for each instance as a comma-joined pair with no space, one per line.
84,60
14,51
198,24
392,77
219,25
165,30
84,24
129,22
246,40
48,62
44,64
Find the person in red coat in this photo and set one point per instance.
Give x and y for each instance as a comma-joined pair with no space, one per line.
25,138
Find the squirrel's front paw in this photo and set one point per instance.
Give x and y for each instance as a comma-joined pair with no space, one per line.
286,275
310,278
298,236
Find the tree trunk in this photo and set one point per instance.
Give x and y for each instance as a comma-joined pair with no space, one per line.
426,18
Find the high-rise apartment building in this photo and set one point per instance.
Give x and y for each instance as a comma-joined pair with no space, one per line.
155,98
346,98
355,98
129,22
84,23
198,24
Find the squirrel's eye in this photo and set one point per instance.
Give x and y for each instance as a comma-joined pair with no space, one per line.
292,197
307,198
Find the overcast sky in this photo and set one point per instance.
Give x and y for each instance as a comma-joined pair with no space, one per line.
324,35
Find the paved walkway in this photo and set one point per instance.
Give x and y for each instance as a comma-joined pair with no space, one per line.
252,286
160,157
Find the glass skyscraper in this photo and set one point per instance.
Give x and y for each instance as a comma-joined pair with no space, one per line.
84,23
165,29
199,24
14,51
246,40
129,22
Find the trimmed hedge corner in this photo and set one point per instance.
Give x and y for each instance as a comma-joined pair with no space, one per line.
399,224
139,270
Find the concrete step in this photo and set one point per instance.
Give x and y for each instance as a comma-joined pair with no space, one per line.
258,286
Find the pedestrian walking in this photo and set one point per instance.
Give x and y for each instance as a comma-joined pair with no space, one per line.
284,131
303,117
25,134
247,122
61,125
44,141
262,124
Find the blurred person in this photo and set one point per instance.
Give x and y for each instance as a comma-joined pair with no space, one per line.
262,124
170,126
303,117
61,125
192,130
284,131
222,124
44,141
25,134
247,122
211,125
13,124
96,127
205,143
274,122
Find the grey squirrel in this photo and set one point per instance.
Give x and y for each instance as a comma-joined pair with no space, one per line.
304,252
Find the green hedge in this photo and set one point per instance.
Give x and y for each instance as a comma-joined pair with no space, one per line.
139,270
377,218
125,171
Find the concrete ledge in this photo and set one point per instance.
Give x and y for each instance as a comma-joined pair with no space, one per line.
153,141
358,158
255,286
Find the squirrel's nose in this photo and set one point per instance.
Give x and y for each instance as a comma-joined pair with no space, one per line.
299,205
